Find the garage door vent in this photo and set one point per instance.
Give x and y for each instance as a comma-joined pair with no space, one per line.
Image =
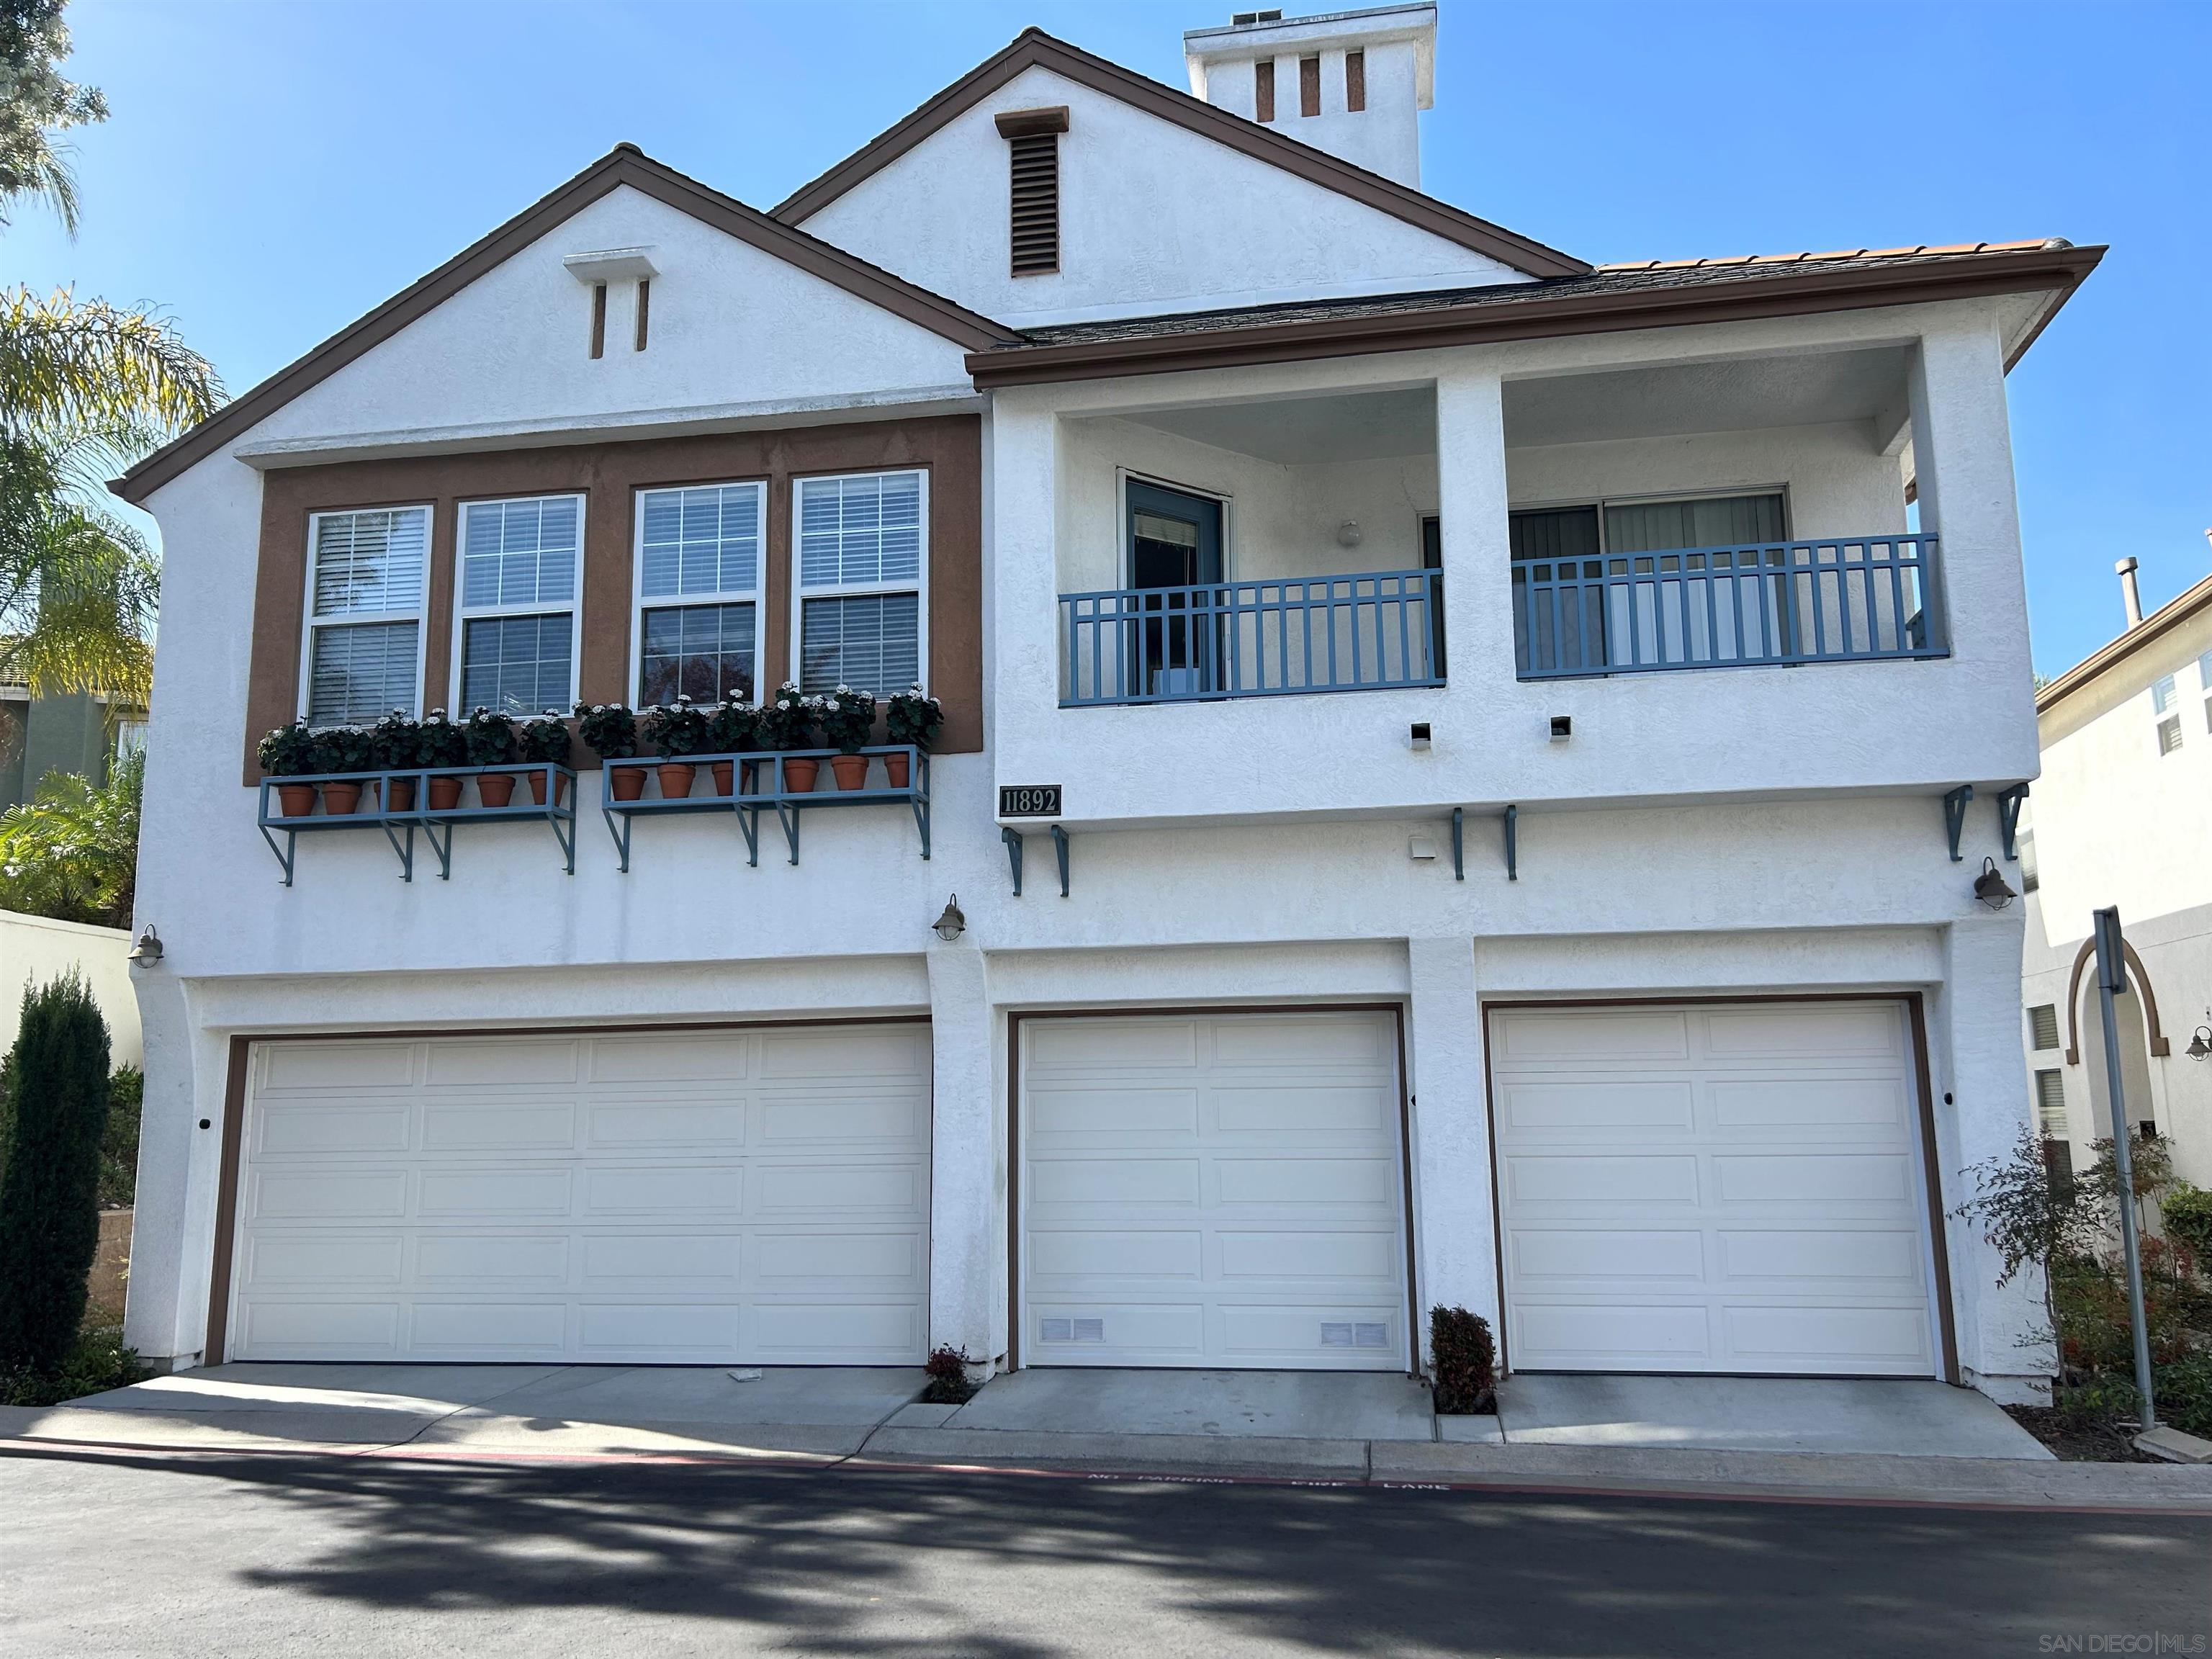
1354,1336
1071,1330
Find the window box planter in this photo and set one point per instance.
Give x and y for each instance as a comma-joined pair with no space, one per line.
387,801
778,781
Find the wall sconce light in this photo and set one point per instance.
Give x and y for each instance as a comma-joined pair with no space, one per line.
1991,888
1348,534
147,951
2200,1046
951,923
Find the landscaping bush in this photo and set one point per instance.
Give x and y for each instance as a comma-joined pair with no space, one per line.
50,1193
119,1145
1464,1360
2188,1213
96,1362
949,1383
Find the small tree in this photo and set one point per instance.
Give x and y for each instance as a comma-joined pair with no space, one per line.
50,1194
2030,1219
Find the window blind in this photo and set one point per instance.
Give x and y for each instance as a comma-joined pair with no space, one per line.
371,561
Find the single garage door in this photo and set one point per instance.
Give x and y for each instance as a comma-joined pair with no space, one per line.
1732,1188
759,1196
1224,1191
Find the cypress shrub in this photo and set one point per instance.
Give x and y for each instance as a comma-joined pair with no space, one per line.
1465,1360
56,1097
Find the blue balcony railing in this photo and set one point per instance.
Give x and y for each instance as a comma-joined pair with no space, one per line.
1851,599
1272,637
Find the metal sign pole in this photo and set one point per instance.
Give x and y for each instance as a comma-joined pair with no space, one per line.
2112,977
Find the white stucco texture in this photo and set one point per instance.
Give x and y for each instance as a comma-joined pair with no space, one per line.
1153,217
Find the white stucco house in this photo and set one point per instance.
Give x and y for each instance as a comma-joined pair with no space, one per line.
1463,772
2117,818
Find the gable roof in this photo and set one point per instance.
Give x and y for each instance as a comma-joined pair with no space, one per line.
2155,627
625,164
1034,48
1647,296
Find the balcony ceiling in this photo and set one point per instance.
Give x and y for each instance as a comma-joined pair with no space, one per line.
1730,395
1362,426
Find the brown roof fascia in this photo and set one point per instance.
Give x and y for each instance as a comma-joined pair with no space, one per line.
624,165
2153,628
1033,47
1789,291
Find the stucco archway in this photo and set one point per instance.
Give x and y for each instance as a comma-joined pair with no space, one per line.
2138,976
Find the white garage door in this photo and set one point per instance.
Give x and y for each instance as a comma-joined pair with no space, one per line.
1216,1192
759,1196
1732,1188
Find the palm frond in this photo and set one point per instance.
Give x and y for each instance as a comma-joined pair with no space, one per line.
75,369
42,172
79,591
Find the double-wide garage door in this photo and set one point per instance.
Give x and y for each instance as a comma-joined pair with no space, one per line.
1219,1191
711,1197
1732,1188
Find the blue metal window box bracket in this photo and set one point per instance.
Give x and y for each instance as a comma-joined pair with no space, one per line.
771,791
437,824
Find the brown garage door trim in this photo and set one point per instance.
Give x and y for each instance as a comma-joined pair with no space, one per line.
1016,1018
234,1119
1916,1013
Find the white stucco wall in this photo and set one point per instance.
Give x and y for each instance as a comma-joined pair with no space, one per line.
733,331
1153,217
35,950
1384,137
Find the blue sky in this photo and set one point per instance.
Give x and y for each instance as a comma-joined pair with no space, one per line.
272,170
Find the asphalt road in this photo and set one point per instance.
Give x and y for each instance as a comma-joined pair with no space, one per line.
250,1556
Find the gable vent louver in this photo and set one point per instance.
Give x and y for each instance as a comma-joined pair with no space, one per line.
1033,198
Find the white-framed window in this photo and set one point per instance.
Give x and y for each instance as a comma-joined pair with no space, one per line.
362,655
514,627
862,566
2050,1105
2163,701
698,563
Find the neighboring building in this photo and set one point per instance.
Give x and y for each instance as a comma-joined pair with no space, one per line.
2117,818
36,950
1498,723
73,731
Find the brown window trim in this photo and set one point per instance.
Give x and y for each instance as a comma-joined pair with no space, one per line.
1308,86
1355,82
949,447
1263,90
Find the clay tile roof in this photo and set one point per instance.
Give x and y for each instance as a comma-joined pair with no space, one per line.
1919,251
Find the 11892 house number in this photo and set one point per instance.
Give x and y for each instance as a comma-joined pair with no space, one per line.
1028,801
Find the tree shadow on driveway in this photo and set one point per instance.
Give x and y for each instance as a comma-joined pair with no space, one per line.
856,1560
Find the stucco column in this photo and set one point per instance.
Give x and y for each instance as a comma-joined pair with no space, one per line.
1472,499
1455,1229
1962,464
1976,1017
968,1183
179,1165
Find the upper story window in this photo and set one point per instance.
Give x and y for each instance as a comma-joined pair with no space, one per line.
2050,1105
516,620
698,591
863,550
364,645
2164,700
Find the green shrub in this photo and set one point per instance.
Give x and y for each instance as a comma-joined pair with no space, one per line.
1464,1361
95,1362
949,1383
50,1194
119,1145
2188,1212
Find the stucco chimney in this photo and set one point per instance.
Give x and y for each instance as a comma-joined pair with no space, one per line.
2131,595
1351,82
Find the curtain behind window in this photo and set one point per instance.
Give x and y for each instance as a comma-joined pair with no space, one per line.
1718,521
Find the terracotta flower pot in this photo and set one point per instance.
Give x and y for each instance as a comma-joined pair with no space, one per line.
851,770
444,795
399,795
721,769
628,782
341,798
296,800
799,775
676,779
537,788
496,788
895,768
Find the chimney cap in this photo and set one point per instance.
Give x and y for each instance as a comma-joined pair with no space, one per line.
2124,566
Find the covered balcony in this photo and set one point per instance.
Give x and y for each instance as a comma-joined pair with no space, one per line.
1251,549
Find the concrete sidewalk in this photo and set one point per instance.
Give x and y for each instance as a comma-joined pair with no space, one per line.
1251,1426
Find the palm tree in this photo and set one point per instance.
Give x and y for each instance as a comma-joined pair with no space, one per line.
85,387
